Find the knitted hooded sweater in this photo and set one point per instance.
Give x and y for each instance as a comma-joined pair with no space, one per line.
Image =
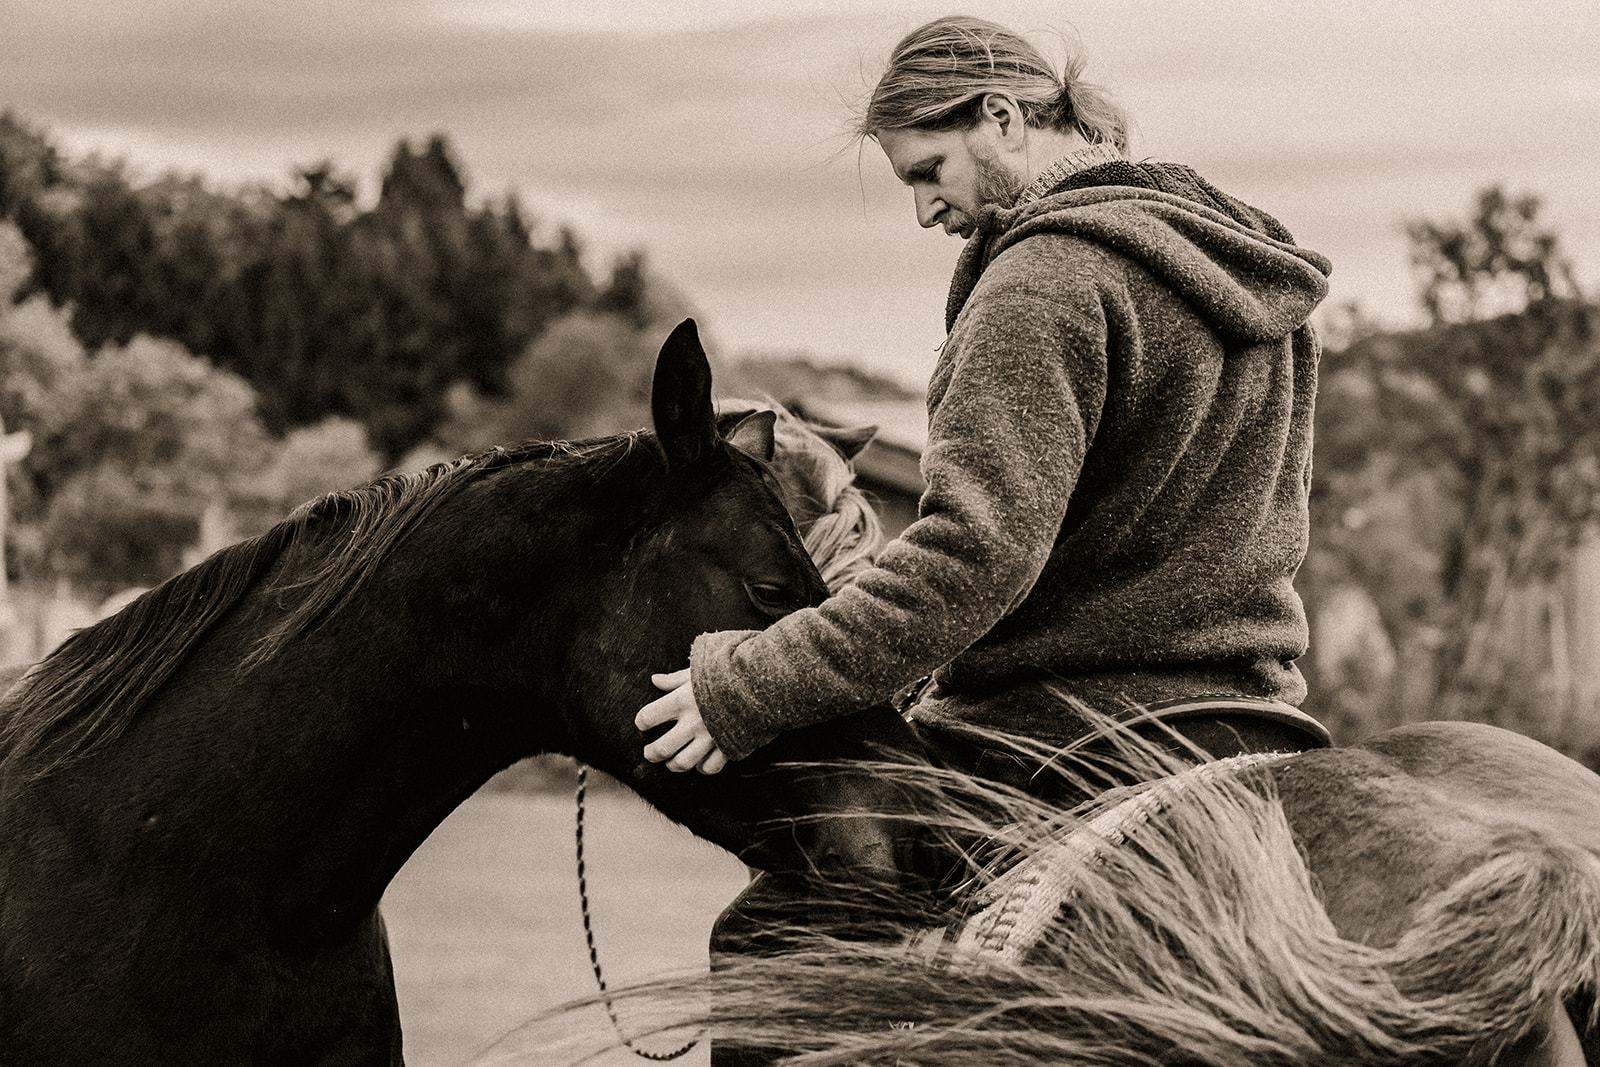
1117,468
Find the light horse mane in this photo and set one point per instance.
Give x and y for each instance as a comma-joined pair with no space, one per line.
837,523
1198,939
91,687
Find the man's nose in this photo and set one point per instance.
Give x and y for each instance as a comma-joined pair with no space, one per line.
929,208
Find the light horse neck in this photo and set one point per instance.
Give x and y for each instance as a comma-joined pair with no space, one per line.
1429,896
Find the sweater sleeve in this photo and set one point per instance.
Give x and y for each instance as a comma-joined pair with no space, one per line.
1014,402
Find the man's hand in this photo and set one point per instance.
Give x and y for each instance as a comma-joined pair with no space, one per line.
688,745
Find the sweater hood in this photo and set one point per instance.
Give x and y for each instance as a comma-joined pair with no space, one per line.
1238,267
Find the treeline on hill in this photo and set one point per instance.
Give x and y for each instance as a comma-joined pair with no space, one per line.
192,363
324,306
181,353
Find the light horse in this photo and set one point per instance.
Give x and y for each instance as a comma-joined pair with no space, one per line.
203,797
1429,895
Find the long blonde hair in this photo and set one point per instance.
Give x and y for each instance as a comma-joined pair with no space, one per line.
939,72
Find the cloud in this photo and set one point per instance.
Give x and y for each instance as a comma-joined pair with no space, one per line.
719,142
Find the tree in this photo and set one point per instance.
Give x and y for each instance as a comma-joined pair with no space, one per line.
145,438
325,308
587,373
1457,466
147,456
1500,261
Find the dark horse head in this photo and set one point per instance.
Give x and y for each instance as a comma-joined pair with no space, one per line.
203,797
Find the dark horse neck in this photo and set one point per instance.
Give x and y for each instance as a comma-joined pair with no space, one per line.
203,797
288,795
282,792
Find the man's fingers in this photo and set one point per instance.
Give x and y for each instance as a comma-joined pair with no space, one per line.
671,680
669,744
690,755
685,745
713,762
662,709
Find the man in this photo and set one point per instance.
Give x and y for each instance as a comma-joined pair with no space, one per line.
1119,437
1118,454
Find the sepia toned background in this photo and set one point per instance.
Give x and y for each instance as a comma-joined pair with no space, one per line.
714,140
715,136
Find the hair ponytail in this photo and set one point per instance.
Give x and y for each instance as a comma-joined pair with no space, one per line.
1090,109
939,73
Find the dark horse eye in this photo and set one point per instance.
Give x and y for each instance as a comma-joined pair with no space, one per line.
773,600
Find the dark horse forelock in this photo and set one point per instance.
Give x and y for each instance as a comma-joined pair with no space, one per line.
92,686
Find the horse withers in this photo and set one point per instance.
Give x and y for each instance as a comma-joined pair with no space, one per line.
203,797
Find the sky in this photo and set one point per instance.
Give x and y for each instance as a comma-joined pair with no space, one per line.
714,135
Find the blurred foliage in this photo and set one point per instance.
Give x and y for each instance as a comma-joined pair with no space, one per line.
1457,474
587,374
590,372
325,306
133,446
1498,261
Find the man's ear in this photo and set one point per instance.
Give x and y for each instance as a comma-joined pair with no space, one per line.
1003,110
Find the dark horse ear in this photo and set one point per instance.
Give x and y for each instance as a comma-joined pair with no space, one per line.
753,434
680,398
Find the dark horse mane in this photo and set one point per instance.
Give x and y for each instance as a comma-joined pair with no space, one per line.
92,686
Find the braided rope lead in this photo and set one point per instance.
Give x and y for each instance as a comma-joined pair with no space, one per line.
588,936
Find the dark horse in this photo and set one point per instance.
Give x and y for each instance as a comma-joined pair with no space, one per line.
203,797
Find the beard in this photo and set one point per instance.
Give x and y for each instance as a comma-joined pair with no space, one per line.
995,184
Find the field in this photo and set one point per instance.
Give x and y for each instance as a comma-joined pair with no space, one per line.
487,933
